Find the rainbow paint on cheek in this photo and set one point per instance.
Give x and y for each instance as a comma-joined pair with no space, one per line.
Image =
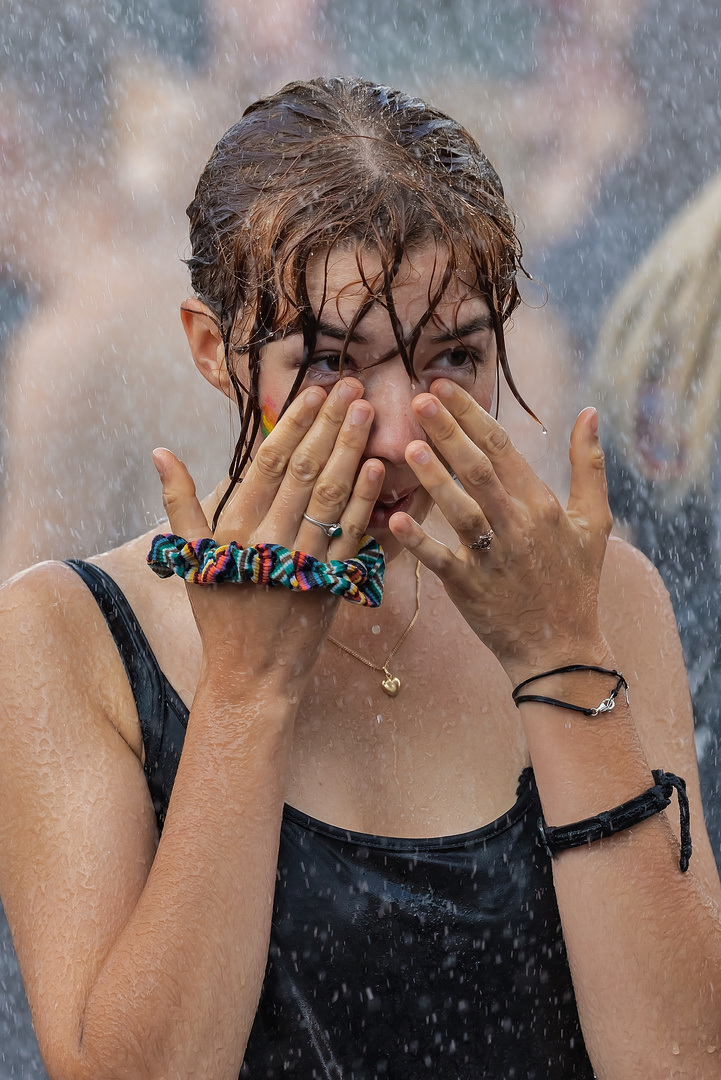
268,419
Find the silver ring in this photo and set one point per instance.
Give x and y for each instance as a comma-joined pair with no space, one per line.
332,530
482,543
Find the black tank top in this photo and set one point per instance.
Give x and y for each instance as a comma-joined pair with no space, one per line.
390,959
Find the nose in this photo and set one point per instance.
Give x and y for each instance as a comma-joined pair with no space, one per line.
390,392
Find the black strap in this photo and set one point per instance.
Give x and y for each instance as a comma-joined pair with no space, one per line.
162,714
604,706
633,812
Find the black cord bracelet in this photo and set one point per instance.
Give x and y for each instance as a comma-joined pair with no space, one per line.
606,705
633,812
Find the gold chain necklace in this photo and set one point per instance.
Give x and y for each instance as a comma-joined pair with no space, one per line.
391,684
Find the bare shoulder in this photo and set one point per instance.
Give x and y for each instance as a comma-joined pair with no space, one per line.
77,828
638,622
55,641
626,568
634,605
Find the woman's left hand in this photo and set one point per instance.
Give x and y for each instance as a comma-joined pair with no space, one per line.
532,595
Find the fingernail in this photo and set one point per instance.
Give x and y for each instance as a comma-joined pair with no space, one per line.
593,423
375,472
420,454
403,526
314,398
161,462
428,407
347,391
443,388
358,413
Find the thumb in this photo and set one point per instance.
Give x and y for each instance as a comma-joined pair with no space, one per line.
588,497
185,513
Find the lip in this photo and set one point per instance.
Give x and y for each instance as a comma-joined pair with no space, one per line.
381,514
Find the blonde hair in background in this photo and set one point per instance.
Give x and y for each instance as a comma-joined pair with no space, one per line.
657,367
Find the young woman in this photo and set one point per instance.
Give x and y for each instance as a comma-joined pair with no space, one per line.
253,829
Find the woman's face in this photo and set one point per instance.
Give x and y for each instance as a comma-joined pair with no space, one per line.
458,343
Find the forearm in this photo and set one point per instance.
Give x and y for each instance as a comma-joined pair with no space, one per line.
644,942
177,993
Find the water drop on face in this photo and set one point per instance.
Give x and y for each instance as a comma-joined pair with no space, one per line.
379,718
675,1049
375,629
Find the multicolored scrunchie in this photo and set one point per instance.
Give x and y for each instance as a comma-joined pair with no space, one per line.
203,562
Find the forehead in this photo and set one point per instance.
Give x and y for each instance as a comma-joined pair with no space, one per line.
338,283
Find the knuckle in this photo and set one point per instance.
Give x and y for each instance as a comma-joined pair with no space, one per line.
270,463
551,509
330,492
304,467
446,429
598,459
354,531
498,440
481,473
173,501
446,563
470,524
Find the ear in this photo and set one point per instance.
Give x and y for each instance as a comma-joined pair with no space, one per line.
206,344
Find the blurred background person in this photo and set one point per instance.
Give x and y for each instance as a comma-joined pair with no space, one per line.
657,371
670,63
520,78
94,232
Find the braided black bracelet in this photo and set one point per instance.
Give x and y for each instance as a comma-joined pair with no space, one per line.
653,801
606,705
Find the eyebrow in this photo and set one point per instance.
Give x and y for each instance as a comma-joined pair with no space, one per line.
339,333
480,322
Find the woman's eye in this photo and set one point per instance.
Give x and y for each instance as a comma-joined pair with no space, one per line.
459,359
327,366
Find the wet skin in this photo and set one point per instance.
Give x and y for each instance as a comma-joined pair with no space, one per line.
370,420
444,350
278,713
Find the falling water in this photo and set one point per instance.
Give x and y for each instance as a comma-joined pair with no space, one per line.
601,116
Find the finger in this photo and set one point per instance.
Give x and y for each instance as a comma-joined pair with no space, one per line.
185,513
251,502
332,490
309,464
510,466
434,555
356,516
470,512
588,498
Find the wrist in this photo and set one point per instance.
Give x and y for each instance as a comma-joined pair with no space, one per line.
592,650
280,662
231,683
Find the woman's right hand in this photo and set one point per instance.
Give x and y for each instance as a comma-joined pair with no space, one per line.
309,463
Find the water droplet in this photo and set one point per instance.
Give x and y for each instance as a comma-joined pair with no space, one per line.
375,629
675,1048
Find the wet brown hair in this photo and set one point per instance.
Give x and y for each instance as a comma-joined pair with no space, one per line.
338,161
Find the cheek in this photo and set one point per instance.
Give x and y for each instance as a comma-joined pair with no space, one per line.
484,388
268,417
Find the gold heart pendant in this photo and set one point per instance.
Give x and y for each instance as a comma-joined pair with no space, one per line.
391,685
